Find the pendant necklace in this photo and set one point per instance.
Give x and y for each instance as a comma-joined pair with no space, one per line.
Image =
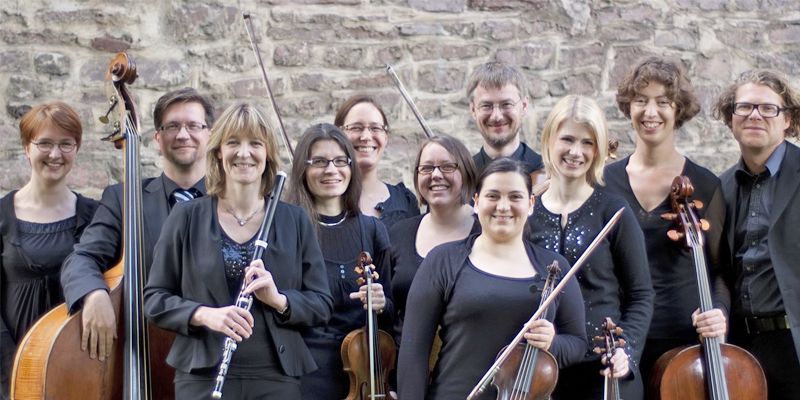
242,221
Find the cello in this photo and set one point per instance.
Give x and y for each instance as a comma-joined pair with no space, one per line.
609,343
49,363
713,370
530,373
368,353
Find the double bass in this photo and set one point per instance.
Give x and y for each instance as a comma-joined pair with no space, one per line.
49,363
368,353
713,370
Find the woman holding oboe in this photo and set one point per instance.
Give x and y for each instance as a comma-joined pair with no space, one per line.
203,255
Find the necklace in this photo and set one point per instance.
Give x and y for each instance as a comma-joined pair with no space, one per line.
242,221
344,217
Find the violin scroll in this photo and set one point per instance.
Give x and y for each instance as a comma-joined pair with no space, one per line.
363,268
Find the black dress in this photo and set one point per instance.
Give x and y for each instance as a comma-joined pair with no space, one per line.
341,244
403,237
30,266
671,264
479,313
400,204
614,281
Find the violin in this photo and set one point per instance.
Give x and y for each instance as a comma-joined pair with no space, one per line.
609,343
368,354
713,370
49,362
530,373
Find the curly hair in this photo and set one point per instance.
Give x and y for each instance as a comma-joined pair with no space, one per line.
668,73
723,109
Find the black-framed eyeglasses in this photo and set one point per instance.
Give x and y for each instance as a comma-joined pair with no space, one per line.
175,127
46,146
766,110
358,128
338,162
504,106
447,168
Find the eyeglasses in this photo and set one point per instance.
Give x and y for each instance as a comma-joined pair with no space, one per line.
175,127
46,146
765,110
358,128
427,169
504,106
338,162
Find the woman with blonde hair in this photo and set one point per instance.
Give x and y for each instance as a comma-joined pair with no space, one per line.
204,253
39,224
615,281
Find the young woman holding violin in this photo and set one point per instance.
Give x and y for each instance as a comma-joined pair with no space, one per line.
445,179
481,290
204,254
325,183
658,98
615,281
365,123
39,224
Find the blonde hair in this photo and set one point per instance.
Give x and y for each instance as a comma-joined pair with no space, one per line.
245,121
586,112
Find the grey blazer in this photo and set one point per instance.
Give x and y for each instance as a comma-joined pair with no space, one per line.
784,231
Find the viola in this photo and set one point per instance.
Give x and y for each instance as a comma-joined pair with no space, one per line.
530,373
49,362
609,343
712,370
368,354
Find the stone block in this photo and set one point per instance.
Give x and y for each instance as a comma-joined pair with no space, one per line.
314,82
497,5
162,73
255,88
625,58
437,51
46,36
584,84
499,29
715,67
291,55
536,56
787,61
593,54
347,57
86,16
94,69
702,5
447,6
441,79
14,61
742,34
436,28
111,44
24,88
625,32
786,34
367,80
227,58
387,55
682,39
306,106
189,22
52,63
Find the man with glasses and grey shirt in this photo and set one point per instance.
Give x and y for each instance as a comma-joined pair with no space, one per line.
182,118
498,100
762,196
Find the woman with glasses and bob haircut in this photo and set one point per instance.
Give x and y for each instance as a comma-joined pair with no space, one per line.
615,281
445,180
481,290
39,224
325,182
203,255
657,97
362,119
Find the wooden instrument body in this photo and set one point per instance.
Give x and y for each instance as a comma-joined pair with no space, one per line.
544,371
355,358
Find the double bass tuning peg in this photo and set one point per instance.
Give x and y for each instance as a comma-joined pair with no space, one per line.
112,104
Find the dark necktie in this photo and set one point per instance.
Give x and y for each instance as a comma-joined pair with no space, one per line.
180,195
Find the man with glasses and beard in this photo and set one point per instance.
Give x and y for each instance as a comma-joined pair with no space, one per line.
498,100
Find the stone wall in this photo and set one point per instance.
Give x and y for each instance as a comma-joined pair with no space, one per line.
318,52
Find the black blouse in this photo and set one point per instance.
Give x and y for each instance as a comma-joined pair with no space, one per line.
400,205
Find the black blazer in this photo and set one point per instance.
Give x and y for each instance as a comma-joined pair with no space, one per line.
100,247
188,272
782,237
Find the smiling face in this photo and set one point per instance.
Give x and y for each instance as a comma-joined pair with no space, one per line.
368,145
503,205
653,114
438,188
755,133
500,126
54,165
572,150
331,181
182,149
243,160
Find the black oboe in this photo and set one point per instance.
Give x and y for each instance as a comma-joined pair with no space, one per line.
245,301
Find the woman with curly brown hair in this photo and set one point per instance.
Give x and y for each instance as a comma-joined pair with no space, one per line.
658,98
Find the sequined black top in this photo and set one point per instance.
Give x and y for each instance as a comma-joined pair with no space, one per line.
615,280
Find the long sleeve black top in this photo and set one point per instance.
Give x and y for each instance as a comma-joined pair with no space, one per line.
479,313
615,280
671,264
